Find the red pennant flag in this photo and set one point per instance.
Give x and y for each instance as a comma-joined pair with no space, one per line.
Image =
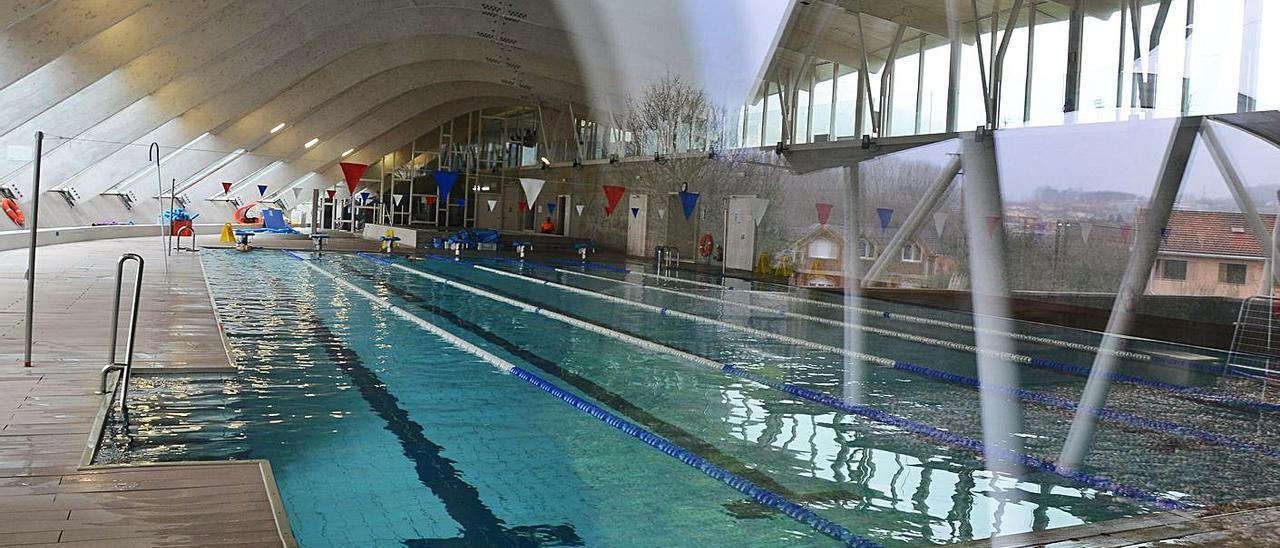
824,213
352,172
226,187
522,205
431,200
992,223
612,194
331,192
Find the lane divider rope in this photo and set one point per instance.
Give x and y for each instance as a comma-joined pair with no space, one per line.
1039,363
1165,427
937,434
763,496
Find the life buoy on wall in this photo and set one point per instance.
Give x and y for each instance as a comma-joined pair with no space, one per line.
11,209
705,244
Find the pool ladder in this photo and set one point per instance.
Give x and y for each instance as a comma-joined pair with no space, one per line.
667,257
127,367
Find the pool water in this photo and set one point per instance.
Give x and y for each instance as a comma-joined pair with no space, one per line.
380,433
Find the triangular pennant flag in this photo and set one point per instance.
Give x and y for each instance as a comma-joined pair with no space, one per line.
662,213
297,191
1164,233
462,202
522,205
758,207
445,180
1085,229
688,201
635,212
551,208
364,196
1124,234
580,207
824,212
492,204
612,195
396,198
532,187
431,200
226,187
331,192
262,190
939,222
992,223
1041,228
886,215
352,172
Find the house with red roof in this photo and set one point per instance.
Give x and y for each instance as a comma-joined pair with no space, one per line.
1209,253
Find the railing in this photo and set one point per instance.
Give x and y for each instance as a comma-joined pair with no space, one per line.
177,244
127,367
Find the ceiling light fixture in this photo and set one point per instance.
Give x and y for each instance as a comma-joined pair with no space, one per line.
311,143
278,127
348,152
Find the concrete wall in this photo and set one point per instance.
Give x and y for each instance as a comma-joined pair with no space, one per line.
15,239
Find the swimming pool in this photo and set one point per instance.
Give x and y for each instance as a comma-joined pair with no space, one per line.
381,433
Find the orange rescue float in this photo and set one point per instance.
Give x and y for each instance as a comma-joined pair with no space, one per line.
11,209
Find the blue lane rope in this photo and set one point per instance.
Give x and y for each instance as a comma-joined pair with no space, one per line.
949,438
760,495
1104,413
738,483
590,265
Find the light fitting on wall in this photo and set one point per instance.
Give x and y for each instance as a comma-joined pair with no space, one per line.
545,162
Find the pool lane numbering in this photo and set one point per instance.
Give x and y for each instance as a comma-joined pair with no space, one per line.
1099,483
742,485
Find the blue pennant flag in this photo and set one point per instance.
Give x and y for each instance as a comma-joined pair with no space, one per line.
364,197
886,215
551,208
688,200
635,212
262,190
462,202
445,180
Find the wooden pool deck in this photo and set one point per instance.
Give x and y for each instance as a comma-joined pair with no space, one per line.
48,495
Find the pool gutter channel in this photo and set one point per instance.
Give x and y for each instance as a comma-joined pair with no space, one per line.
937,434
97,429
738,483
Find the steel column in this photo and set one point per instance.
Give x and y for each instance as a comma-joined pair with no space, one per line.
914,220
1132,286
31,251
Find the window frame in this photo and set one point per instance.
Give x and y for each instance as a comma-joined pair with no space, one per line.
919,253
1163,270
1224,270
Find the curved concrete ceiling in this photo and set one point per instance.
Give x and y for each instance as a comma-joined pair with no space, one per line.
108,78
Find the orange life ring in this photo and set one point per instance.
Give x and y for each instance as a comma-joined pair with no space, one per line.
11,209
705,244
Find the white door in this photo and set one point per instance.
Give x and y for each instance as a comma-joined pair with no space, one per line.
637,225
740,249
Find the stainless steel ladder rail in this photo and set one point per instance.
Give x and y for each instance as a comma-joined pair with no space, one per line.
127,367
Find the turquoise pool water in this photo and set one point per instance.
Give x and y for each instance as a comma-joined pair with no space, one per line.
380,433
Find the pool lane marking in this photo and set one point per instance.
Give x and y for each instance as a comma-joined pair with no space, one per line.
742,485
1039,363
1164,427
937,434
599,393
461,500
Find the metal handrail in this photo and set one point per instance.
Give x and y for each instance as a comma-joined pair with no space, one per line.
666,256
127,367
178,238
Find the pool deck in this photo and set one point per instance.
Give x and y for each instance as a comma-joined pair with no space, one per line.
48,412
1245,525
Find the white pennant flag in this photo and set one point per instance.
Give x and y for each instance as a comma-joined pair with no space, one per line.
397,198
492,204
758,207
662,213
532,187
939,222
580,207
1085,228
297,190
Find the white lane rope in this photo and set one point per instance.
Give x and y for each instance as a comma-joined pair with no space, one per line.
1049,341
